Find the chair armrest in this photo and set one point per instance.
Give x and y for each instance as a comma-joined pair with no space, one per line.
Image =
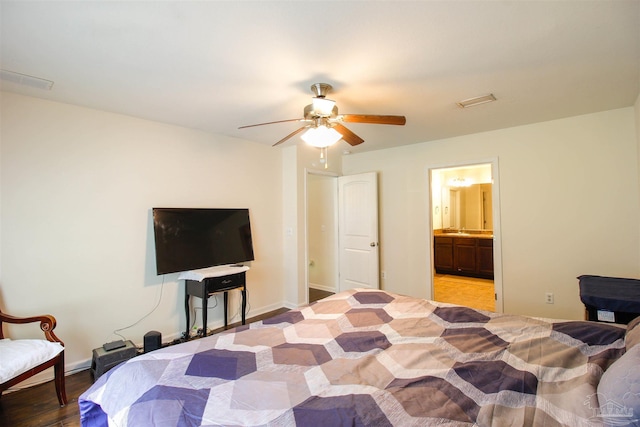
47,324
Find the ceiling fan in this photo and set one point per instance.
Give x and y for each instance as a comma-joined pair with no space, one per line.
323,124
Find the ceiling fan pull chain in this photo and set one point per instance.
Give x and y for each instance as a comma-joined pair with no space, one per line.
323,157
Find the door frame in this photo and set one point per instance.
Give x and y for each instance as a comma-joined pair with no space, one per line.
327,174
497,227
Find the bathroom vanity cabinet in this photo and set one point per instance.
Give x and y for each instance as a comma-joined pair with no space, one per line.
464,255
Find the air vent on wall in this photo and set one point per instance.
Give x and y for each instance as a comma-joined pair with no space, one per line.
26,80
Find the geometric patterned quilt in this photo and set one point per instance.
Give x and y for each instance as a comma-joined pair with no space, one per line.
367,358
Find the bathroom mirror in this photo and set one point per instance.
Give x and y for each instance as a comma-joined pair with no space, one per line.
467,208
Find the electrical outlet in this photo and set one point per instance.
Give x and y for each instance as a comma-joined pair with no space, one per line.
383,274
548,297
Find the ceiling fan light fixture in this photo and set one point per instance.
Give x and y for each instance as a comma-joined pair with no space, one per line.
471,102
321,136
460,182
323,106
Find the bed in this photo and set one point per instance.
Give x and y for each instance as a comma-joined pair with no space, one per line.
374,358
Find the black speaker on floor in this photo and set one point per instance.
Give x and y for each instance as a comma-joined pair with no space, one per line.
152,341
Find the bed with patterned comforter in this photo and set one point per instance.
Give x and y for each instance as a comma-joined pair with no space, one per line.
369,357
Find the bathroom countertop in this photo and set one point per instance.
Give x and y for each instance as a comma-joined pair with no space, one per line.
480,234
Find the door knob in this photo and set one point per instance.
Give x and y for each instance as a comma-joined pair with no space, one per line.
373,244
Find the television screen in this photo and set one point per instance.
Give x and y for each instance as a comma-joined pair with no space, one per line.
193,238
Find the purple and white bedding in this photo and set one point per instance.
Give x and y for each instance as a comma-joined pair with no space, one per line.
371,358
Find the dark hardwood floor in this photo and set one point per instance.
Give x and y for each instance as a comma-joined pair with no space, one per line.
316,294
38,406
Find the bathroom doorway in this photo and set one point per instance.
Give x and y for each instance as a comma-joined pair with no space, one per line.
464,235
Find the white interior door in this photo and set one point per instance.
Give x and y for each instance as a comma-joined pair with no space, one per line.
358,231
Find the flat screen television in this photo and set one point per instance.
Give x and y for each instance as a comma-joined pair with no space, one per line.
194,238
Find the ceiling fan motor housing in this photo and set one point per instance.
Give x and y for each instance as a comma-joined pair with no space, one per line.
321,89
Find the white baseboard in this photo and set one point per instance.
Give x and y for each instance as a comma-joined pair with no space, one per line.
323,287
291,305
47,375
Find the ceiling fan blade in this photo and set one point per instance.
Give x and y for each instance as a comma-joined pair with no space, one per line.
347,135
294,133
374,119
270,123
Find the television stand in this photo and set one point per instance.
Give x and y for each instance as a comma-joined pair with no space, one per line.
206,282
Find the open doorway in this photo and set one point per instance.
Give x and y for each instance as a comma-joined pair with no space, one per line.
341,233
464,225
322,235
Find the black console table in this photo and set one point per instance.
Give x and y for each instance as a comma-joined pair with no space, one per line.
212,281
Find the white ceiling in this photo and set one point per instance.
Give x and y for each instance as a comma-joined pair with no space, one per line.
217,65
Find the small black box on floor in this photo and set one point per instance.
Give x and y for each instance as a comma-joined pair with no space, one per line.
152,341
104,360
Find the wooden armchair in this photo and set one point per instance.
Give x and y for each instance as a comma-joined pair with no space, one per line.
23,358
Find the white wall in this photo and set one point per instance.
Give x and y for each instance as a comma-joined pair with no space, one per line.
569,206
77,189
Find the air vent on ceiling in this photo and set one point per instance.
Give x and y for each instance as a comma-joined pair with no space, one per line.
26,80
476,101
